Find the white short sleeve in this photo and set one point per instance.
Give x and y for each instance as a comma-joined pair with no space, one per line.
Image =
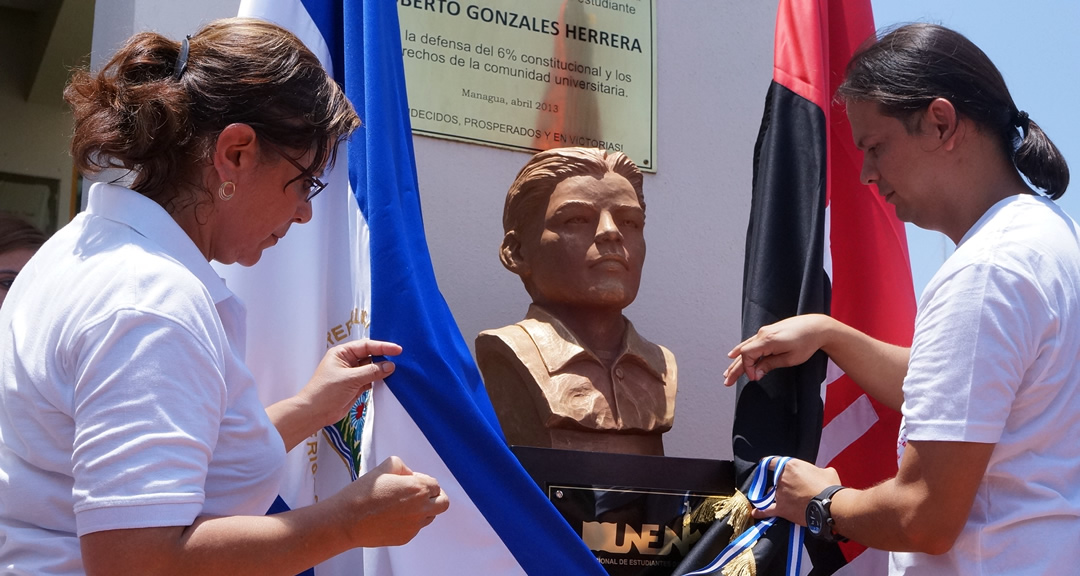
145,427
975,337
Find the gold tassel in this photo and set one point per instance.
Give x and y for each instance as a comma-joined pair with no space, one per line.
706,512
737,509
741,565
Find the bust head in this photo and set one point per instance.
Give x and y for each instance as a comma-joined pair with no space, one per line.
573,229
573,232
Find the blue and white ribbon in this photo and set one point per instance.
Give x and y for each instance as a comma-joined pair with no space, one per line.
762,494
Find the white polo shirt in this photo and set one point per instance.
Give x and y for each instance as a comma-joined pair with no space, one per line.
996,359
124,399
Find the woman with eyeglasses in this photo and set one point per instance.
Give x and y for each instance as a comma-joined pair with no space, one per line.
19,240
989,462
132,440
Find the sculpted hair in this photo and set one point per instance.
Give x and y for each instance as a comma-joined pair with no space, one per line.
16,233
137,115
910,66
539,177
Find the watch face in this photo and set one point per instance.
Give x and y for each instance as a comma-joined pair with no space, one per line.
815,517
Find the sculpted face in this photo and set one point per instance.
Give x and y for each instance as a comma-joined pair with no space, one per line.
591,248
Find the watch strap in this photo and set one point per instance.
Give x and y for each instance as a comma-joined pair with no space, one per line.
827,493
825,499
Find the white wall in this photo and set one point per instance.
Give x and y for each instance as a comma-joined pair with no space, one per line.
715,64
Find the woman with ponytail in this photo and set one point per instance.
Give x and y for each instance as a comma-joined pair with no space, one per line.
989,468
132,440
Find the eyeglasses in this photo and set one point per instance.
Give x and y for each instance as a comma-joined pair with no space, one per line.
313,184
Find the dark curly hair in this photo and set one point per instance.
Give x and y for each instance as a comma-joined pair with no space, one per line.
137,115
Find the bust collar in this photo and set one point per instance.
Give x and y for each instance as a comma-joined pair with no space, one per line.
558,346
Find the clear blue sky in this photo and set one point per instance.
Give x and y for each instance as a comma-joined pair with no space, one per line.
1036,45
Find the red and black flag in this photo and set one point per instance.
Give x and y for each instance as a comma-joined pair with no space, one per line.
818,242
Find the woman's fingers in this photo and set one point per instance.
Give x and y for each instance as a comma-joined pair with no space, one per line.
355,351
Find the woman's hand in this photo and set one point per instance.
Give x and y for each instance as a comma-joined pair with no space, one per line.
877,367
346,371
799,483
385,507
786,343
390,504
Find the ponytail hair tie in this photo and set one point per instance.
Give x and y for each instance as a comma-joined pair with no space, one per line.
1021,120
181,60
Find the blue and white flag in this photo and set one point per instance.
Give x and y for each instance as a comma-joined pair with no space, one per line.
361,268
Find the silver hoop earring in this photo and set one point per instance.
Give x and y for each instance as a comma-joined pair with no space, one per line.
221,190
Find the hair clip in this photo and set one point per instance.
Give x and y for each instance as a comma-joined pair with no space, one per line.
181,60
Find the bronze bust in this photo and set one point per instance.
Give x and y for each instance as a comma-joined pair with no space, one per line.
574,374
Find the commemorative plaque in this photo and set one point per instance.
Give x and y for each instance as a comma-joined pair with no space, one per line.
640,515
534,74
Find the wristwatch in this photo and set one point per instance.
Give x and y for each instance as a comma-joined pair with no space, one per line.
819,520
